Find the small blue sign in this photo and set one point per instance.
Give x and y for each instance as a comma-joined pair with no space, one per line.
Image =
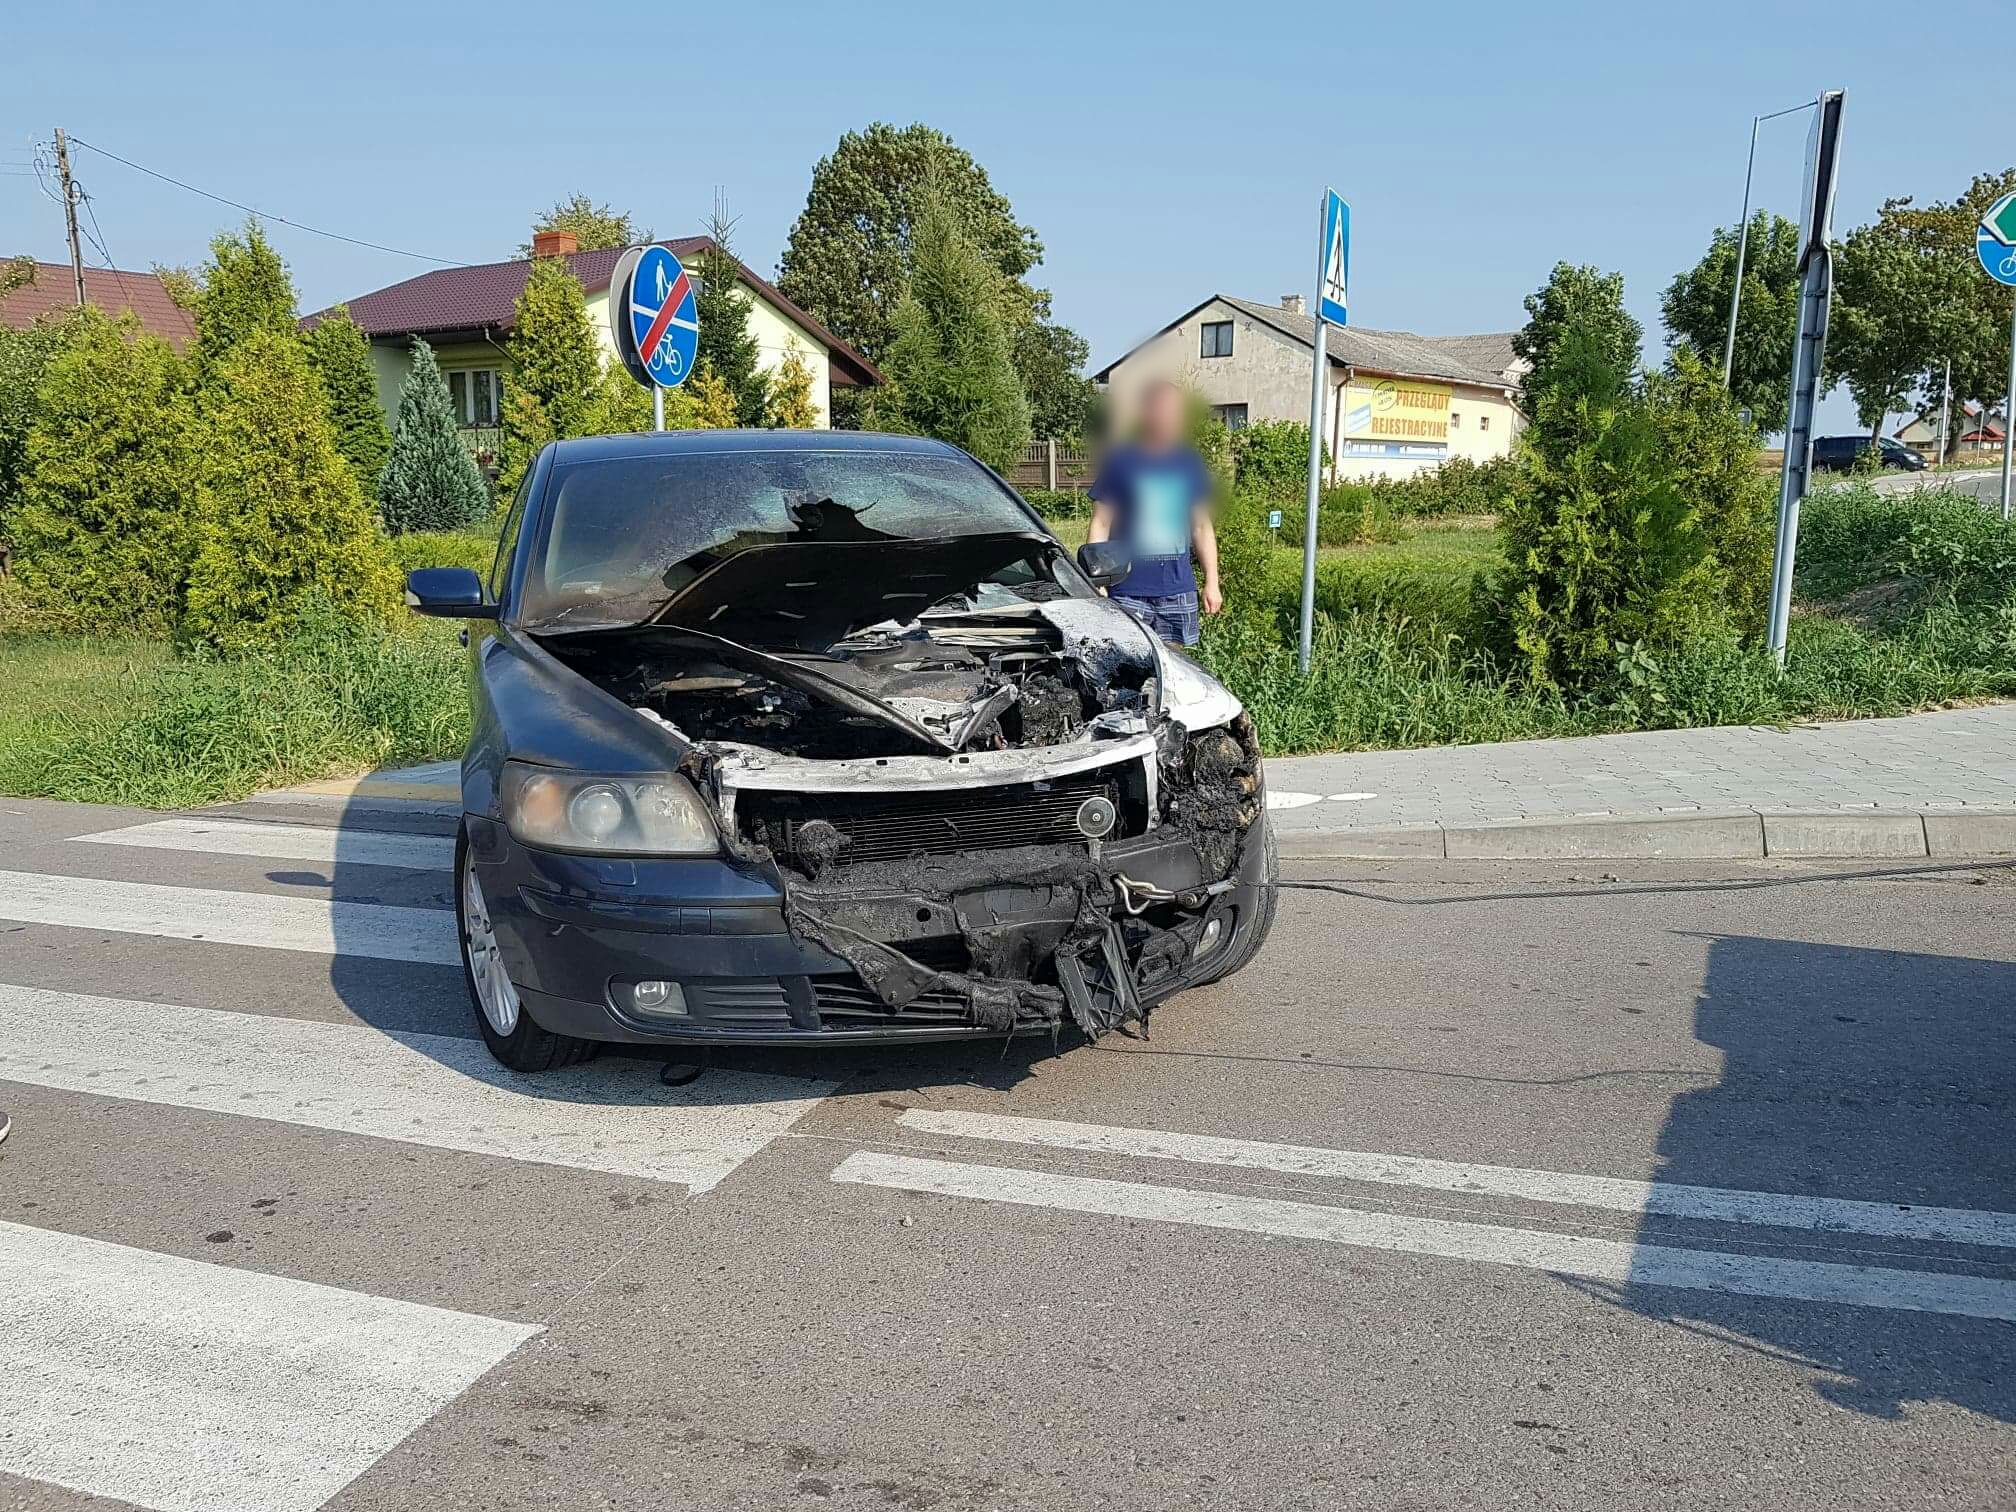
1995,241
664,317
1333,266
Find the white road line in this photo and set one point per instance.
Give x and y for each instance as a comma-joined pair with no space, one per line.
232,918
285,842
1561,1254
421,1089
1659,1199
190,1387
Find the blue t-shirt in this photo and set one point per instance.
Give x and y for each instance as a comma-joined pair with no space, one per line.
1154,496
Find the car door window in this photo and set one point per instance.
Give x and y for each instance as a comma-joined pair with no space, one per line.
507,539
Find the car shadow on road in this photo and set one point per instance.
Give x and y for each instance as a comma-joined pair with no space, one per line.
424,1003
1861,1074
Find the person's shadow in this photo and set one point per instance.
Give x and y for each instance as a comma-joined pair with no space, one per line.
1868,1075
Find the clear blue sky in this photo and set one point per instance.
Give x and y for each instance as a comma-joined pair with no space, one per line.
1162,152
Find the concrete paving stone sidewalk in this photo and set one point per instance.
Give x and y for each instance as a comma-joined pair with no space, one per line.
1938,784
1942,783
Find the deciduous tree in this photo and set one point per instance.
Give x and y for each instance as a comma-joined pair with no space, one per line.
1593,302
1050,360
1896,313
341,357
282,529
949,352
848,257
429,480
596,227
25,354
1696,312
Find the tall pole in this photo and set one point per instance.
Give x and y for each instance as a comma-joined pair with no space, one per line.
70,213
1945,409
1319,380
1742,248
2008,404
657,408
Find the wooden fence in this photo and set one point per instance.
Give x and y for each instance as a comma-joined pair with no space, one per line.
1053,464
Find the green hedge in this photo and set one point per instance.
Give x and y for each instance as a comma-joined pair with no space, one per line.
1059,503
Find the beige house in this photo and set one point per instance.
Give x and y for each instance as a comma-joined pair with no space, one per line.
465,315
1396,403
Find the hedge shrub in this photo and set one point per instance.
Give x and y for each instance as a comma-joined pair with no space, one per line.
105,531
282,523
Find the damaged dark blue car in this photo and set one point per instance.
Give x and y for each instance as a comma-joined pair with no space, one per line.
817,737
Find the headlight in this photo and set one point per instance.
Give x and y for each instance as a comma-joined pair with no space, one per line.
649,816
1191,694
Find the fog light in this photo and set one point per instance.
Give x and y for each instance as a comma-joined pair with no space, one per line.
1208,940
658,999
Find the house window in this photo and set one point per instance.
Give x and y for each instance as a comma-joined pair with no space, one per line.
1483,422
1231,416
1217,339
474,395
1455,421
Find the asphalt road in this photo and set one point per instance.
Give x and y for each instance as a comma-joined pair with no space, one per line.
1985,486
1595,1187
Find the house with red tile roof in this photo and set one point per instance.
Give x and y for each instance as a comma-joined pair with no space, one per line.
52,288
465,315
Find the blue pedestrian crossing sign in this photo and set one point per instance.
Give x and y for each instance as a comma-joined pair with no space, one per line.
1334,266
657,325
1995,241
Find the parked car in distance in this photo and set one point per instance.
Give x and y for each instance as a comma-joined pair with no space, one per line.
1838,453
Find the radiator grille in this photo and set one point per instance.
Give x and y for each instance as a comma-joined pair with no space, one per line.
895,826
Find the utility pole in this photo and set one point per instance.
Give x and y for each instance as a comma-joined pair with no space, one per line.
70,213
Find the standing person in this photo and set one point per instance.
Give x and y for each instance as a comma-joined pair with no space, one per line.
1153,495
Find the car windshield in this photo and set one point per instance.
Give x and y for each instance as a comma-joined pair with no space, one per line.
623,535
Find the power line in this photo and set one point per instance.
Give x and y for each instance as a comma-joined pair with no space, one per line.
282,220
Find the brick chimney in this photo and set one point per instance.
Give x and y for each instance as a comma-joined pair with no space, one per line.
555,243
1292,303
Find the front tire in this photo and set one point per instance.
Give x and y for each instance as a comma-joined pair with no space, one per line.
501,1016
1241,955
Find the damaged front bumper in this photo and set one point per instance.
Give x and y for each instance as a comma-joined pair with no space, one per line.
935,948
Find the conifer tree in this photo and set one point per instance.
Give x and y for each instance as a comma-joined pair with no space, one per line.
726,342
555,381
341,357
105,527
791,406
246,289
949,356
429,481
282,532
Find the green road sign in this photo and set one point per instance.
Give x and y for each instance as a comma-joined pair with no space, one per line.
2000,221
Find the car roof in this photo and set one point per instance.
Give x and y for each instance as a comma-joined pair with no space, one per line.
715,442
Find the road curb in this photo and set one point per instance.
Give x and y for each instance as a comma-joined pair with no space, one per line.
1725,835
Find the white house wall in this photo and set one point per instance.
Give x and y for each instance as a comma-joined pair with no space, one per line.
1268,372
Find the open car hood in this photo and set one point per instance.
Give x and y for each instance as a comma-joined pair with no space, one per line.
808,594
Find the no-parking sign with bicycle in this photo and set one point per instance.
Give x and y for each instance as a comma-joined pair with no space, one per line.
1995,241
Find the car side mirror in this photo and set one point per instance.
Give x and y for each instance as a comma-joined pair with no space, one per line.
448,593
1105,562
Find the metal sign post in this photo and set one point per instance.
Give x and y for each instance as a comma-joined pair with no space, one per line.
1333,271
1816,293
1995,245
654,319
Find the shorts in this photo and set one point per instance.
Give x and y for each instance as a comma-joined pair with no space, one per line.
1173,617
